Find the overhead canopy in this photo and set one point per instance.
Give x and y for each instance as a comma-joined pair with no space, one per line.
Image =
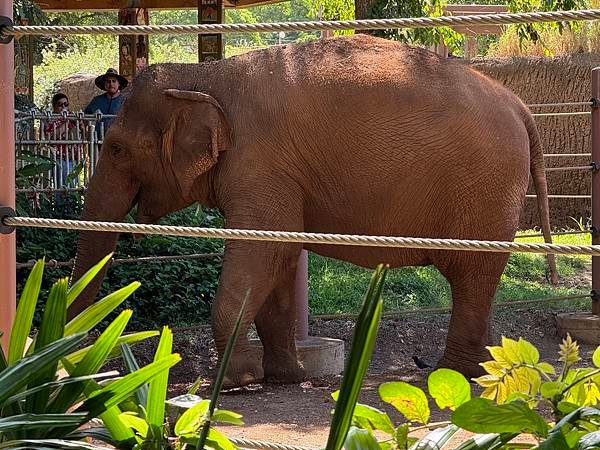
108,5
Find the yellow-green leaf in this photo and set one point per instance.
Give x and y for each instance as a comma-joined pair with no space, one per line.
409,400
500,356
487,381
546,368
493,368
511,350
596,357
449,388
528,352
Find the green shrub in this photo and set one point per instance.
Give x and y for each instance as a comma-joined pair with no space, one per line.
41,407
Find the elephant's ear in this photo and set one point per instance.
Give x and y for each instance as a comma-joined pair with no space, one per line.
196,134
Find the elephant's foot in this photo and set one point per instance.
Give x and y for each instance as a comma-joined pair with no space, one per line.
284,369
242,373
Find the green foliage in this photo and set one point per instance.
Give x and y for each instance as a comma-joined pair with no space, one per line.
391,9
363,344
41,407
507,408
147,423
159,301
516,372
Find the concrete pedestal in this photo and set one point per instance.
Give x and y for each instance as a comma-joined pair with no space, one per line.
584,327
320,356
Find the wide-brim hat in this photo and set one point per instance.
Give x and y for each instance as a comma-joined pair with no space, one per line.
99,81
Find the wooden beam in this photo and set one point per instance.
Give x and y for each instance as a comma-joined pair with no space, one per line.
112,5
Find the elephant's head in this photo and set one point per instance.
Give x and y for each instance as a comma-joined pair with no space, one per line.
158,154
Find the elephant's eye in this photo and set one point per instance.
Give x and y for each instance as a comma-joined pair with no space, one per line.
120,154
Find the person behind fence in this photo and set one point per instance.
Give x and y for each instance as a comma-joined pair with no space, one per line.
110,102
67,156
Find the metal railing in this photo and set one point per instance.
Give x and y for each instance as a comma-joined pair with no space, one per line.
57,151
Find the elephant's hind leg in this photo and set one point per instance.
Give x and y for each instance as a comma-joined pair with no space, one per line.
473,279
276,326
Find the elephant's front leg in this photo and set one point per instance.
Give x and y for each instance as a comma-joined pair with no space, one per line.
276,326
249,269
474,281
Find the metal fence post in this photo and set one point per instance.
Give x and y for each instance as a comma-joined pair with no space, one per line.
8,289
596,189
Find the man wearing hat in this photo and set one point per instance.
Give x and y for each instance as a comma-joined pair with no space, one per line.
108,103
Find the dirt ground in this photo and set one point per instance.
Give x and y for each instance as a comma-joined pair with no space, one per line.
300,414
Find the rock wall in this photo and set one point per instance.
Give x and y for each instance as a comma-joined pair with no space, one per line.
552,80
80,89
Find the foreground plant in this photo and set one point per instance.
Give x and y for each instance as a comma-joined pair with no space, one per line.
516,383
44,379
148,419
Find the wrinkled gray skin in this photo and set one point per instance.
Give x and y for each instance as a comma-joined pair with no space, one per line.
350,135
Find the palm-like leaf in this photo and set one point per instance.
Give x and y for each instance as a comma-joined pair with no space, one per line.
360,355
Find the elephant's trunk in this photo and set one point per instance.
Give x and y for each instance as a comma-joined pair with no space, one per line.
109,198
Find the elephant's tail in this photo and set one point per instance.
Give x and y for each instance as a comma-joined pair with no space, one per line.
538,174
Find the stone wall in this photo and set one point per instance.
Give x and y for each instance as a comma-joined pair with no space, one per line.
553,80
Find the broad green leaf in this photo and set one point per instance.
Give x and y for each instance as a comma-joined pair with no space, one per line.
92,362
24,314
191,420
481,415
136,423
363,343
546,368
18,375
118,391
376,418
78,287
95,313
401,435
131,364
596,357
358,439
128,339
157,392
449,388
214,439
43,421
500,356
225,416
371,417
52,328
528,352
436,439
511,350
409,400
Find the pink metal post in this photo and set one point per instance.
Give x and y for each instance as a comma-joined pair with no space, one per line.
7,180
596,189
302,297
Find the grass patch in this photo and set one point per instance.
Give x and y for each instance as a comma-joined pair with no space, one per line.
338,287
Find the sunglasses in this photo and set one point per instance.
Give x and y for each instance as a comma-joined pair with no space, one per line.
63,104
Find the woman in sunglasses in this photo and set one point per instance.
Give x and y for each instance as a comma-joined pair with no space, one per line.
62,128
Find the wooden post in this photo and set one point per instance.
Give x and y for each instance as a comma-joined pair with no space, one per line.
210,46
8,253
133,50
596,189
302,297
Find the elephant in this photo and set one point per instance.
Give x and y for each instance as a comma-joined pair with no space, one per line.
352,135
